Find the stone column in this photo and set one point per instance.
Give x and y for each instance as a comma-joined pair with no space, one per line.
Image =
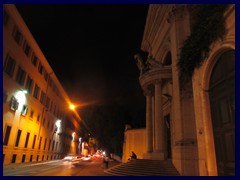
159,117
149,130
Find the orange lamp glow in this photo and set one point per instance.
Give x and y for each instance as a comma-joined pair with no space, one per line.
72,106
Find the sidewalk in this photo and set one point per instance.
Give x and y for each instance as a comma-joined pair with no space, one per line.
22,165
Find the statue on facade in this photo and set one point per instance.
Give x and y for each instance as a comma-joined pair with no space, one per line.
151,63
140,63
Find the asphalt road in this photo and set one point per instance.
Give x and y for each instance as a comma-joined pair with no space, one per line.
60,168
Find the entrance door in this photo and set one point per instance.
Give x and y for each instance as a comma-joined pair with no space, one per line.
168,134
222,99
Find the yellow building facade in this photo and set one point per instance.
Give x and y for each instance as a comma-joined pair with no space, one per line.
193,126
37,122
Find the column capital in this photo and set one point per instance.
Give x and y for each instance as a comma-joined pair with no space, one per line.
158,81
148,91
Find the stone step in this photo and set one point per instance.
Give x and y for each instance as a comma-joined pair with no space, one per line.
141,167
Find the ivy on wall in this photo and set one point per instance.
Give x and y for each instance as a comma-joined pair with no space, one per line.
208,26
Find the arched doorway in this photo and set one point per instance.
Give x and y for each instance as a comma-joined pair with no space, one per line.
222,101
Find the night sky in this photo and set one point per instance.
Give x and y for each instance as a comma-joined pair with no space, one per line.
91,48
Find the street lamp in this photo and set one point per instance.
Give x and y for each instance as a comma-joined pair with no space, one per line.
71,106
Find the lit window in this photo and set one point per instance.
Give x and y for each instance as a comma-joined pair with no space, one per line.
14,104
24,110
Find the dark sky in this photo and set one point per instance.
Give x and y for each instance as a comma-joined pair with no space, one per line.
91,48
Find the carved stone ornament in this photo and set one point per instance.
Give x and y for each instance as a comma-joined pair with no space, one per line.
140,63
152,63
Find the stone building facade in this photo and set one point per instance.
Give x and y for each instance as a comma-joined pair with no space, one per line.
193,126
37,122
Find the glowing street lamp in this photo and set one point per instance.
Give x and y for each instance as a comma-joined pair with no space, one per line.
71,106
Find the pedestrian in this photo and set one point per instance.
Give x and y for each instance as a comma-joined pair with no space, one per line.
133,156
105,162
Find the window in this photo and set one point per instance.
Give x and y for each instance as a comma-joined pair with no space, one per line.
38,118
14,157
9,65
45,142
47,102
7,134
53,145
27,138
24,110
29,85
46,76
37,157
23,158
14,104
42,157
34,59
26,48
56,146
31,114
18,137
40,68
49,145
20,78
36,91
17,35
5,18
42,97
40,141
31,158
34,140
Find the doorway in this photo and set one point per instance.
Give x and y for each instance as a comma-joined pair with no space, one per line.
168,136
222,102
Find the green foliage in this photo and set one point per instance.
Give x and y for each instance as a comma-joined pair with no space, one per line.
208,27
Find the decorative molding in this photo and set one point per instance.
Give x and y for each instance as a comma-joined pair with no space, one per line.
151,76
